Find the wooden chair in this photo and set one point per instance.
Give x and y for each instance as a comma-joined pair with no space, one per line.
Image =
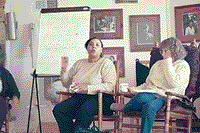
174,109
100,117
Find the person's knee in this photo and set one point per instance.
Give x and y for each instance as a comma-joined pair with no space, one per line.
154,106
88,110
144,97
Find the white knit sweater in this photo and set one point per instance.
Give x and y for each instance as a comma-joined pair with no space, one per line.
100,75
167,76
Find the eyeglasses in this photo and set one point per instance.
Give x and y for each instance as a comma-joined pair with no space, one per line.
163,51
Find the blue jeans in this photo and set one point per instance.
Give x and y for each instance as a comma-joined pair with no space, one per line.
148,104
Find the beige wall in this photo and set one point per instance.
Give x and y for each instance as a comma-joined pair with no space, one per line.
19,60
2,33
141,8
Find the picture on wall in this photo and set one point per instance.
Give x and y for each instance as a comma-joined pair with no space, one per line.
106,24
187,21
126,1
190,24
114,54
144,32
112,57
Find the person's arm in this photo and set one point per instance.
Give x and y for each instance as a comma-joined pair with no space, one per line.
14,91
108,79
140,87
67,76
175,77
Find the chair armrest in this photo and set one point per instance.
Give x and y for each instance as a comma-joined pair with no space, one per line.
57,79
117,106
177,95
107,92
64,93
126,94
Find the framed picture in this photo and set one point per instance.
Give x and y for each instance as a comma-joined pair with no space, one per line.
187,23
114,54
144,32
126,1
106,24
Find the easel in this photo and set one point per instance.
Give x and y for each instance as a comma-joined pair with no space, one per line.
34,79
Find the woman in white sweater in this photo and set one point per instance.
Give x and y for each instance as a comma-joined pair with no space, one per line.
170,74
86,76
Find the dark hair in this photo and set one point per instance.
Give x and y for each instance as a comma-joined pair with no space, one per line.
88,41
175,46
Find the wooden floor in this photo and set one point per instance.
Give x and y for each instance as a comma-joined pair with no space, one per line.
128,131
48,127
153,131
52,127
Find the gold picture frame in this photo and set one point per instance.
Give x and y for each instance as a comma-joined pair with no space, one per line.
144,32
187,23
106,24
117,53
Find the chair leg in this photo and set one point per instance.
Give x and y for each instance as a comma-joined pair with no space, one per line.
120,122
167,116
167,125
116,126
170,129
138,123
100,113
189,126
121,114
6,122
132,122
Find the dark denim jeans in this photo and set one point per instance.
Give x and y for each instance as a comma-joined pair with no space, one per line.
3,110
83,108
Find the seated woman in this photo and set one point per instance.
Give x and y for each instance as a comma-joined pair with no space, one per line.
8,88
87,76
169,74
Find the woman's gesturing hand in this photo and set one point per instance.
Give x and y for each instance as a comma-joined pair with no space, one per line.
65,61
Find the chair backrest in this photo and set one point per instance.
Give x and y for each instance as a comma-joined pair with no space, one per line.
197,95
193,60
142,71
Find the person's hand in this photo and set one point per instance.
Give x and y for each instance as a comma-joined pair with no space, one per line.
65,61
167,54
193,42
63,70
128,90
156,44
80,88
15,101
